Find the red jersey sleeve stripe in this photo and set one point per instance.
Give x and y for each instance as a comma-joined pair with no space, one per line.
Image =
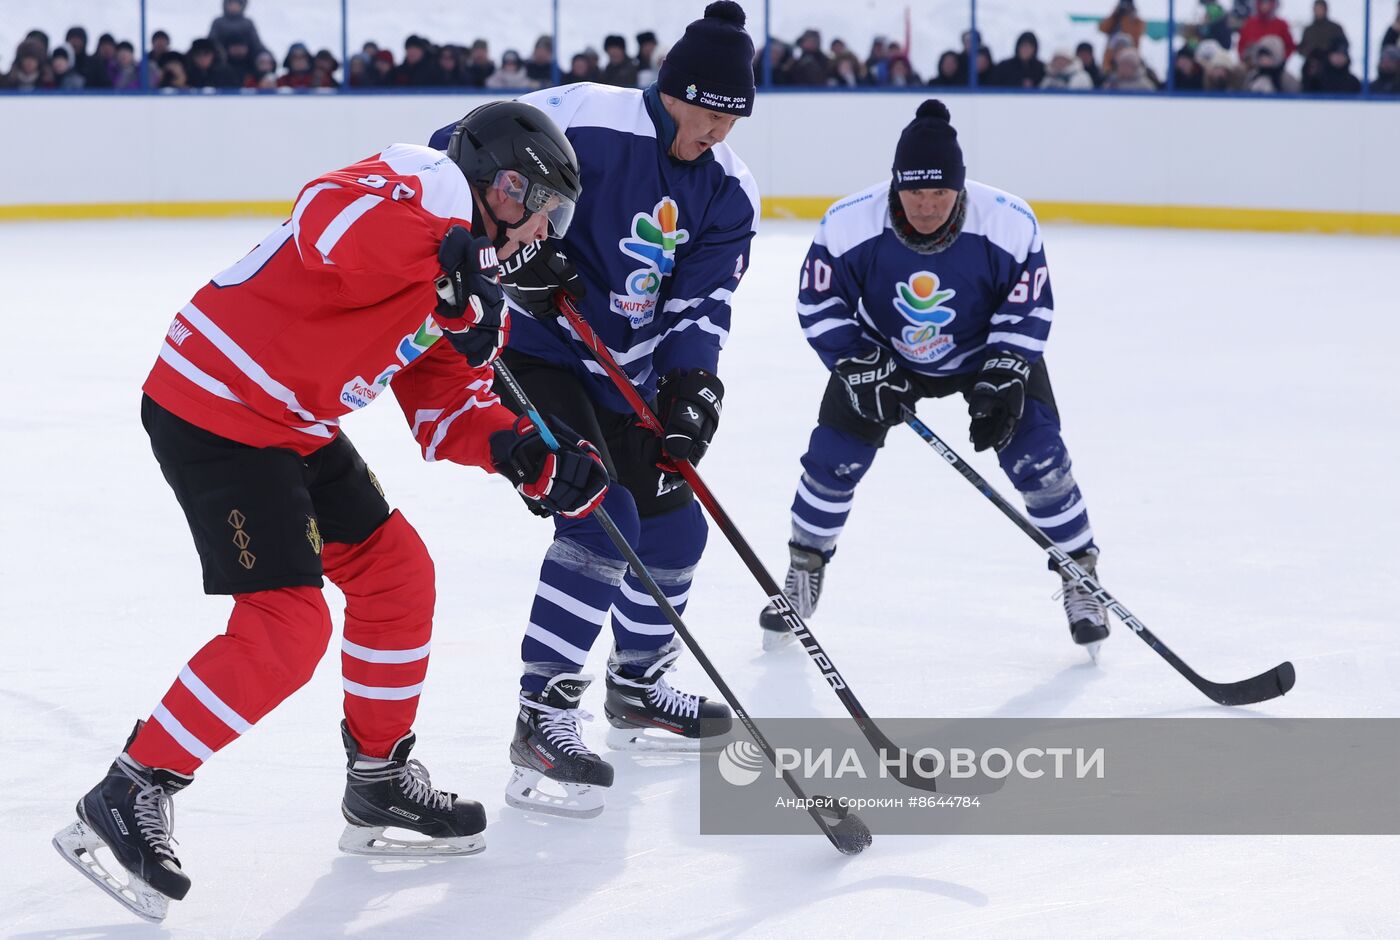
301,205
342,222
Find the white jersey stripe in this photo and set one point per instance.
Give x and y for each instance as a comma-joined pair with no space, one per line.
367,655
1016,339
301,205
440,432
1059,519
539,634
816,502
825,326
1074,544
382,692
806,310
181,734
342,222
639,597
195,374
645,629
573,605
816,530
211,701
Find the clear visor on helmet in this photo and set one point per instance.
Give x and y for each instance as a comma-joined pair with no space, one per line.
536,197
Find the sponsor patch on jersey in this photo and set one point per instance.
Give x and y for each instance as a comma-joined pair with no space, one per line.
653,241
920,301
359,391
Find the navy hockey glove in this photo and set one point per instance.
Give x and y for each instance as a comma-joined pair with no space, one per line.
877,387
471,309
570,481
997,400
688,404
535,274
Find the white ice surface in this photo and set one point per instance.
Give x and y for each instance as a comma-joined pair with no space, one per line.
1230,403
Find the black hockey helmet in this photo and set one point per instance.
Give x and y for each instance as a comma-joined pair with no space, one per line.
517,148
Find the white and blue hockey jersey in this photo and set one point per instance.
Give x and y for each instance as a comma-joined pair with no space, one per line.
661,244
989,290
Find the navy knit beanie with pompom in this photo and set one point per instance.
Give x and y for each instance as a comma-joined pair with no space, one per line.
928,155
712,64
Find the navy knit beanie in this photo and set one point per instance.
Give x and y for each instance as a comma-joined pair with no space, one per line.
712,64
928,155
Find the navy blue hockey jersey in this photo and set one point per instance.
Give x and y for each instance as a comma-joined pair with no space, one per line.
661,244
937,312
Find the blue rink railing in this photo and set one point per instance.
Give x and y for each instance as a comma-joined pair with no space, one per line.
1172,24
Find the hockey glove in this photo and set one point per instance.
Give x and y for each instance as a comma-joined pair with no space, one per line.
534,275
689,404
570,481
997,400
471,309
877,387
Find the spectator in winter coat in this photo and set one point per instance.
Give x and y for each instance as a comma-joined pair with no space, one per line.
1189,74
40,39
950,70
298,64
540,68
27,74
416,70
1220,69
125,75
1268,77
1215,24
1332,75
234,25
1321,34
479,66
61,70
1129,74
172,73
203,70
1392,35
325,66
847,71
76,40
511,75
984,66
97,72
779,63
239,60
877,63
812,66
383,70
579,70
1084,52
1265,22
359,74
1387,72
160,45
902,74
1066,73
1024,69
1124,19
264,73
647,59
620,70
449,68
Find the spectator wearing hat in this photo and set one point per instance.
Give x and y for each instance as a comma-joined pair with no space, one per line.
1084,52
63,75
511,75
448,71
647,59
1124,21
126,76
902,74
950,71
1387,72
1267,75
234,24
28,72
540,67
97,72
779,62
416,70
40,39
1332,75
478,67
1264,23
1024,69
1215,24
1066,73
1220,69
846,71
324,67
239,60
172,73
1392,34
264,73
381,70
1189,76
811,65
620,70
1322,34
579,70
159,47
299,67
203,70
1129,73
76,40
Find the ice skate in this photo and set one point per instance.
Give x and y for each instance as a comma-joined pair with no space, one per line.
555,772
130,817
1087,616
395,793
803,588
647,714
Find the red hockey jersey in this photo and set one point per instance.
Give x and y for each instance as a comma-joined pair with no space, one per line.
327,310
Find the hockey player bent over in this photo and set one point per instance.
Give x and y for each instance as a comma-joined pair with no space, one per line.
243,409
925,286
660,241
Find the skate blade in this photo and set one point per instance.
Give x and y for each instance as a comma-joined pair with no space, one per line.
78,844
371,840
579,800
652,740
776,639
1093,650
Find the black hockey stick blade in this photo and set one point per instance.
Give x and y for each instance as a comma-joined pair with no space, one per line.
1277,681
847,831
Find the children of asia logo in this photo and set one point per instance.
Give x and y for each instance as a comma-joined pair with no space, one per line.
653,241
357,393
920,301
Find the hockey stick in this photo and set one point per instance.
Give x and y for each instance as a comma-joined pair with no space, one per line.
845,829
905,770
1260,688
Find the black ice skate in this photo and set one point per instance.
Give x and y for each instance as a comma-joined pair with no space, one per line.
548,746
130,815
647,714
1088,618
803,588
396,793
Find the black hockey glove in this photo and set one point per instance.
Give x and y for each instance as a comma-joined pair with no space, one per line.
471,309
535,274
877,387
570,481
997,400
688,403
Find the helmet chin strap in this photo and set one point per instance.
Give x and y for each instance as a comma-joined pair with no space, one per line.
502,236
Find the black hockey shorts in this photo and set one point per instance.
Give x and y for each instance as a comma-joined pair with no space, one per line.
836,411
628,450
259,515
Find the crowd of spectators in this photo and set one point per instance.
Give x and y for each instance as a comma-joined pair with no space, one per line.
1239,46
